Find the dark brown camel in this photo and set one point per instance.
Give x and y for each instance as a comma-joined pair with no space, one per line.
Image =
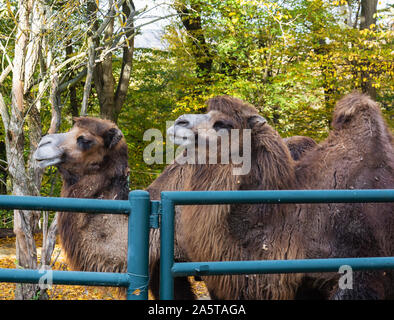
357,154
299,145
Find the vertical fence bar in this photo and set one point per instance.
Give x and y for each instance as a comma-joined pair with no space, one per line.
166,249
138,246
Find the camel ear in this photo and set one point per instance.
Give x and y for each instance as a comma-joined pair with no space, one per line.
112,137
253,120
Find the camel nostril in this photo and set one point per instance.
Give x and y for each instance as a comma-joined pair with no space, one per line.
44,141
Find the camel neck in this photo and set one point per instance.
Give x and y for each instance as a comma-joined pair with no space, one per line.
96,186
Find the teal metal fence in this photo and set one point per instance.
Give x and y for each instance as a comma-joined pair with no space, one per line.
169,269
144,214
135,279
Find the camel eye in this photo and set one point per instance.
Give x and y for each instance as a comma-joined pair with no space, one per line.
182,123
219,125
84,143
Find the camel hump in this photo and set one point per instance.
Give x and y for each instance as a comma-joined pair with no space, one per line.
299,145
352,105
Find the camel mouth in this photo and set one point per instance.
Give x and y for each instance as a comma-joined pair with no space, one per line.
43,163
49,151
47,156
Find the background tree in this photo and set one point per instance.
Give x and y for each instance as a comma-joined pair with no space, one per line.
26,179
47,51
111,95
368,22
293,59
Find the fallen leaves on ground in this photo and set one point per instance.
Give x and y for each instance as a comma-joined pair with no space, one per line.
66,292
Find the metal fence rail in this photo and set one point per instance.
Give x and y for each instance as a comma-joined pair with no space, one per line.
169,269
279,266
135,279
143,215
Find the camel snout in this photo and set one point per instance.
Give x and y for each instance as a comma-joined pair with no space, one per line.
49,151
48,139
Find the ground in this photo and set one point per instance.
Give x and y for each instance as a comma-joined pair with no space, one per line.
64,292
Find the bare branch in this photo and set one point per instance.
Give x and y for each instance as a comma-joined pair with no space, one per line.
57,69
55,106
66,62
89,76
5,73
109,16
5,54
4,113
72,82
125,73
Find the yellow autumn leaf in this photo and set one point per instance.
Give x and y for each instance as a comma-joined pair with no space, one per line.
137,292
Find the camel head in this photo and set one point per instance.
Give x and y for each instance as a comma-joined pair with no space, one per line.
83,149
224,114
224,132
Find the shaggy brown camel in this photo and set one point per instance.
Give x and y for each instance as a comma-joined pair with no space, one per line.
172,179
92,160
299,145
357,154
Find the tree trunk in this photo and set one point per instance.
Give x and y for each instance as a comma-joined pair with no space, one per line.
191,20
111,100
127,61
74,102
24,181
367,19
3,170
23,220
106,78
368,11
89,76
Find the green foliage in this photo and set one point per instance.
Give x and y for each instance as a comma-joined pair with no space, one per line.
150,103
292,59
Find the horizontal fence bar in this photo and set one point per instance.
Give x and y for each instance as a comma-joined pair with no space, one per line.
64,204
171,198
279,266
65,277
279,196
169,270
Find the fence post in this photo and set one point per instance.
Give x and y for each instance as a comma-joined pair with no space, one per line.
166,248
138,245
